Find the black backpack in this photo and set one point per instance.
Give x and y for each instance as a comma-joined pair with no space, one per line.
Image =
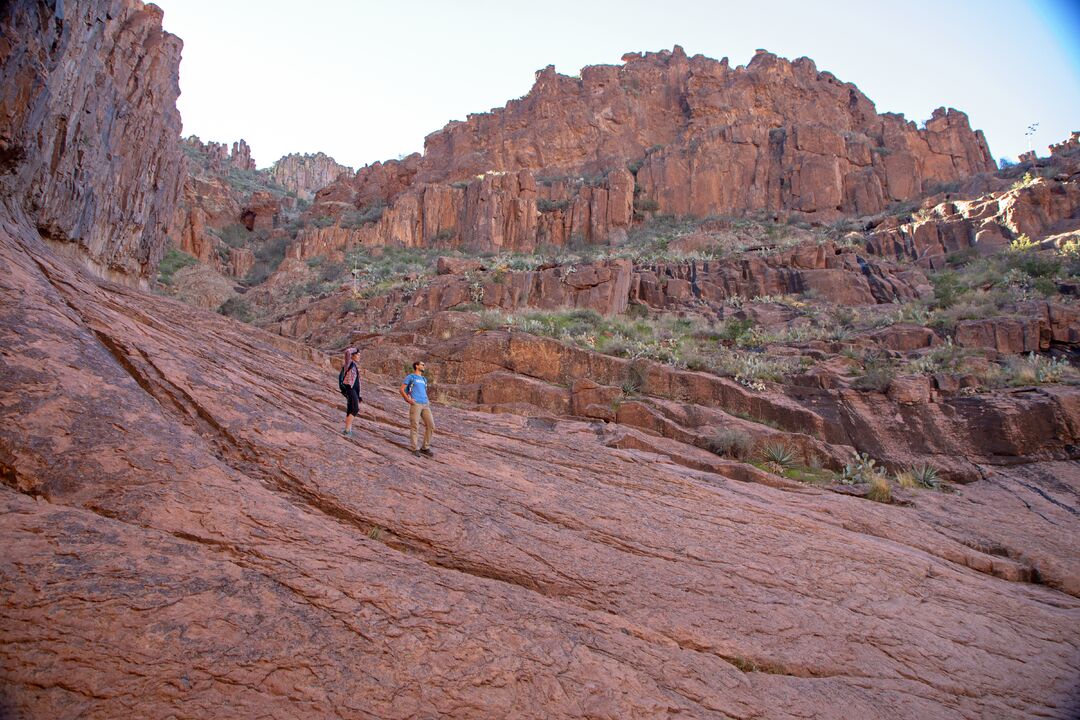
341,379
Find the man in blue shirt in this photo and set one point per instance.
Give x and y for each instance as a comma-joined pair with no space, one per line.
414,390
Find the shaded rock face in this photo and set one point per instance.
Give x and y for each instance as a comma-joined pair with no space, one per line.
78,81
304,174
700,138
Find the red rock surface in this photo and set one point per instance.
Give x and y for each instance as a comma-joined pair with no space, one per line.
701,137
78,80
304,174
186,533
192,535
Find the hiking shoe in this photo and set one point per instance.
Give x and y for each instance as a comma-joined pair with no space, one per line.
417,453
427,451
347,433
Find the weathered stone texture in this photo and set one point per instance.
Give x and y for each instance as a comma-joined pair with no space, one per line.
89,128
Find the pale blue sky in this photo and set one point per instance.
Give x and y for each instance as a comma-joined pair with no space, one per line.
366,81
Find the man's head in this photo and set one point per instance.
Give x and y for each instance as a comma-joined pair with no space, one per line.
418,366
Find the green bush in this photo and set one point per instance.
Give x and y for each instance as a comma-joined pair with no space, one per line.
729,442
174,260
364,216
544,205
237,309
947,288
235,235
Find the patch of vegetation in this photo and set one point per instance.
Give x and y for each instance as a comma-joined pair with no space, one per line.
173,260
879,490
364,216
778,457
236,235
545,206
861,469
878,372
237,309
268,257
729,442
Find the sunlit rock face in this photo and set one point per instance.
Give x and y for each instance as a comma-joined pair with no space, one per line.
578,158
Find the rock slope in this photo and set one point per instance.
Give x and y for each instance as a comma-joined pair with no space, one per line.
191,535
186,534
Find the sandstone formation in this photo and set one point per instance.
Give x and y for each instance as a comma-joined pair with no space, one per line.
186,532
233,555
304,174
78,80
699,137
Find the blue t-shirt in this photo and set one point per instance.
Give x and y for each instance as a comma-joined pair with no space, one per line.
416,387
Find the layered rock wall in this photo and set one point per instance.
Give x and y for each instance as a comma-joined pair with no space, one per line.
304,174
699,138
89,128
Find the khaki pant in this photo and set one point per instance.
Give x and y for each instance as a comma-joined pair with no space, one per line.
416,412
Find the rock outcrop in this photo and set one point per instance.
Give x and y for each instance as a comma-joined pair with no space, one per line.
700,138
187,533
78,81
304,174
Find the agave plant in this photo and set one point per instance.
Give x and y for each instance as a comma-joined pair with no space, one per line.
925,475
778,456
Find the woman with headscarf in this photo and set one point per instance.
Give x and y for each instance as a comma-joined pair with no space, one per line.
349,382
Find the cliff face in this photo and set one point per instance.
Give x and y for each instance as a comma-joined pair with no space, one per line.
697,136
304,174
89,128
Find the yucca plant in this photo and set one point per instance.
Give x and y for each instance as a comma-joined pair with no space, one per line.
778,457
925,474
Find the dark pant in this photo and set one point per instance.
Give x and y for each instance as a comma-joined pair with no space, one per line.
353,399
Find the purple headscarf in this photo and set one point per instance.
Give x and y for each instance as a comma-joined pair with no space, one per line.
352,374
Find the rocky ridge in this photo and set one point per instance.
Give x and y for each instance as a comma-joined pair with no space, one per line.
574,159
190,535
304,174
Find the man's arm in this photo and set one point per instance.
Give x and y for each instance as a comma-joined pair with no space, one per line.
405,394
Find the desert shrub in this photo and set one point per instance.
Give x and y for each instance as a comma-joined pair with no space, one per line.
172,261
1035,369
643,205
636,378
906,479
778,456
332,272
947,288
878,372
544,205
237,309
323,221
729,442
492,320
844,317
1026,181
235,235
735,329
879,490
925,475
363,216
